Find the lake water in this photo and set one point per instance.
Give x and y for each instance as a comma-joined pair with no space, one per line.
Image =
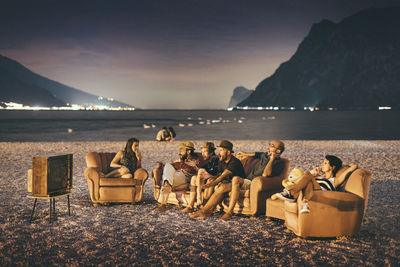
206,124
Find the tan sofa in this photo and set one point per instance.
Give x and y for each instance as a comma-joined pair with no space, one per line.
251,202
332,213
112,190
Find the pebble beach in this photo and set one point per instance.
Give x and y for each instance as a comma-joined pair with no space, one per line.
137,235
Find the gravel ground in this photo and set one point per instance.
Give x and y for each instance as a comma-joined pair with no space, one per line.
138,235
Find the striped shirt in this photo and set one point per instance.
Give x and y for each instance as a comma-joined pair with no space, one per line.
326,184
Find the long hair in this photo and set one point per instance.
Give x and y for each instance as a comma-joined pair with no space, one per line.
335,162
128,152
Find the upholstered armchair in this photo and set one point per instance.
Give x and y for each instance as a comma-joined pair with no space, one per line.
332,213
112,190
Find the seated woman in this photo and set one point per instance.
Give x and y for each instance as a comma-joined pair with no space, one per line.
126,162
323,178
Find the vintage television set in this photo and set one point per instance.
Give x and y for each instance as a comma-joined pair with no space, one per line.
50,176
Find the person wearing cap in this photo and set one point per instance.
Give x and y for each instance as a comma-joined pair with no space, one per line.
228,167
176,175
269,165
208,172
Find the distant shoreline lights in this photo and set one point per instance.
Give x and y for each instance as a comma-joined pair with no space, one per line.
315,108
73,107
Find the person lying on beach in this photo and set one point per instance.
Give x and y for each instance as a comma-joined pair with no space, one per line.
176,175
125,162
269,165
228,167
323,178
208,172
164,135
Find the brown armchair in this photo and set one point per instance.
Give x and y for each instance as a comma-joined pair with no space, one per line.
112,190
332,213
251,202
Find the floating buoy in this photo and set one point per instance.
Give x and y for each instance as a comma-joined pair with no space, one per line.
181,125
69,130
146,126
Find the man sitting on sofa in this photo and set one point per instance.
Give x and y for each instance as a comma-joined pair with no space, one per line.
269,165
208,172
228,167
176,175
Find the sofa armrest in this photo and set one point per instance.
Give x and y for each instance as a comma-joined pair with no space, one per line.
93,178
141,176
262,188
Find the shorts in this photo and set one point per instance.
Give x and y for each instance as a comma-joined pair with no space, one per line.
246,184
174,177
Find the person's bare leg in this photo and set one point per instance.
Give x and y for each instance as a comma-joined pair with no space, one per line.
207,193
181,187
214,200
157,177
199,184
300,183
236,184
125,173
190,206
165,191
114,173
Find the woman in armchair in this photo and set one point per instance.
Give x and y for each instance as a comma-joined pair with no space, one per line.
320,178
126,162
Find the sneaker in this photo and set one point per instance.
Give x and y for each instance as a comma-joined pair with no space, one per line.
305,208
285,195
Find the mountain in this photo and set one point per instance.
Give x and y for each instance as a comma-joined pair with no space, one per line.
14,90
19,84
240,93
353,64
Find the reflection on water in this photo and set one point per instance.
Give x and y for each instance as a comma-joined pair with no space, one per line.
197,124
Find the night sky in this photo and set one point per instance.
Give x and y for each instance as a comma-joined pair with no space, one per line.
162,54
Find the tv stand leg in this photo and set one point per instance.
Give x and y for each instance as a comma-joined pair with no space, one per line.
69,207
51,208
33,210
54,206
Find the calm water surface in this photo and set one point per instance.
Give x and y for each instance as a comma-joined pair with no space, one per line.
234,125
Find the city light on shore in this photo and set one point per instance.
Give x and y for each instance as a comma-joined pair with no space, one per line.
73,107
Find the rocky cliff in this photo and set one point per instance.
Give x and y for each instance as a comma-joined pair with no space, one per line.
240,93
353,64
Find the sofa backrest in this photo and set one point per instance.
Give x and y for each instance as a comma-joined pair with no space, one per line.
100,161
358,183
250,162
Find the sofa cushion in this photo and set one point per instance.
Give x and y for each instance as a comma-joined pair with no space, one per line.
118,182
275,208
